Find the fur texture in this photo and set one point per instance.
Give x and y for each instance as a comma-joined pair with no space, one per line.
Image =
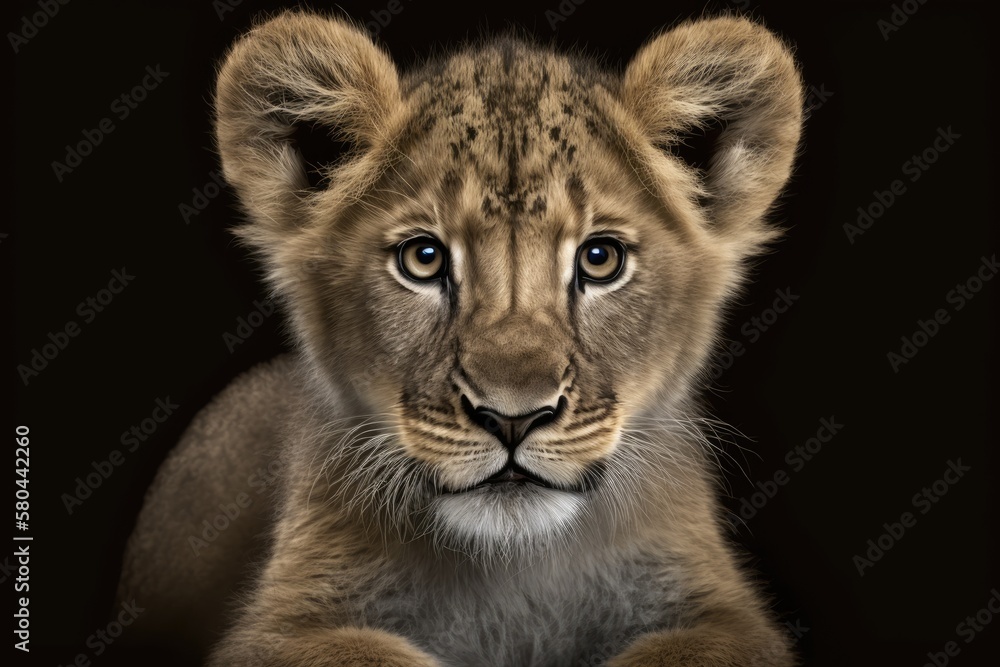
514,166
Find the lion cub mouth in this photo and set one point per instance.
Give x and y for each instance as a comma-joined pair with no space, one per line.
513,474
510,476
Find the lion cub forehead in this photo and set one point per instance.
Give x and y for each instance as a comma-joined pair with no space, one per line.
508,101
508,71
506,134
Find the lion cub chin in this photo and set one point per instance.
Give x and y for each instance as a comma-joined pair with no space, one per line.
504,296
505,517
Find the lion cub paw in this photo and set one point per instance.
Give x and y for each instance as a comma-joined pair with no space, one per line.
705,648
333,647
367,647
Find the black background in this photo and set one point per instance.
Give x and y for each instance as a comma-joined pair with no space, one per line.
826,357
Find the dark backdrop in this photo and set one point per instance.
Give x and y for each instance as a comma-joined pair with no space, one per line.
888,81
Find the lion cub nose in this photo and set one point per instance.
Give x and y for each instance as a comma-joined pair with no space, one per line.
511,431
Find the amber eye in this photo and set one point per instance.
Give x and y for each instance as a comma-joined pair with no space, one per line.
601,260
423,259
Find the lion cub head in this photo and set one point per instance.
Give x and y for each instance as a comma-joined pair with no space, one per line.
509,269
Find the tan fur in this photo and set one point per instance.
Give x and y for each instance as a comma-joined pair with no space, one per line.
386,548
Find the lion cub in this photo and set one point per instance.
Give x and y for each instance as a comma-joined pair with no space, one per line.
504,298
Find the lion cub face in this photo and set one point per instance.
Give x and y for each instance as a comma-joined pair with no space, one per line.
530,294
509,274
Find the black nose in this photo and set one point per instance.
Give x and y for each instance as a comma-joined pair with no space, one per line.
511,431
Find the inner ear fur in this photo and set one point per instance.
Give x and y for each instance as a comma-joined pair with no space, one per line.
300,68
730,73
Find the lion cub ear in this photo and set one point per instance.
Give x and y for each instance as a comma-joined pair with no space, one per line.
729,73
300,69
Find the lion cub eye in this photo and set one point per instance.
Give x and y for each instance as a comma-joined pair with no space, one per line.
601,260
422,259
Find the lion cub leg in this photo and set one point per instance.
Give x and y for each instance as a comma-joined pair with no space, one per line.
333,647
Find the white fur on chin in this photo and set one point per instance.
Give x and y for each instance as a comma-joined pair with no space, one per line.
504,519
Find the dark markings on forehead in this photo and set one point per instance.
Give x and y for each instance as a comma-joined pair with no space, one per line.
451,185
508,57
506,122
489,207
511,193
577,195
